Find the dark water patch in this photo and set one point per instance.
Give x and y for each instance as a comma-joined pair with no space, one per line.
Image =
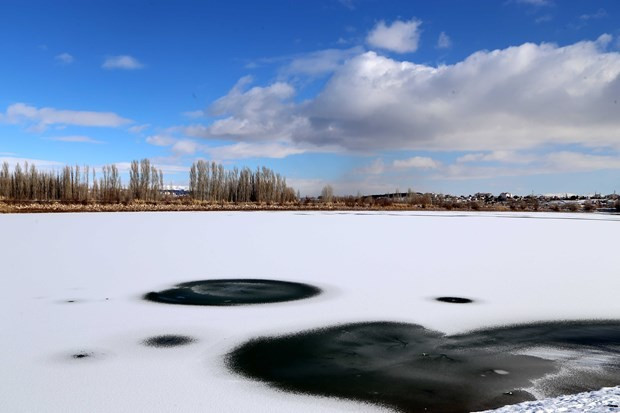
413,369
84,356
455,300
227,292
81,355
168,340
69,301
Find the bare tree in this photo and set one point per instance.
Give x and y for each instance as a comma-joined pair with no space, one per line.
327,194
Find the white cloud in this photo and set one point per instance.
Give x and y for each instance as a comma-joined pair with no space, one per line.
160,140
185,147
165,168
506,99
40,118
122,62
566,161
542,164
194,114
376,167
418,162
39,163
496,156
444,41
535,2
349,4
604,40
320,62
243,150
599,14
496,104
64,58
74,138
258,113
544,18
308,186
139,128
400,36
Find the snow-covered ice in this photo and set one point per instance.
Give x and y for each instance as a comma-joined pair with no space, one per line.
603,400
372,267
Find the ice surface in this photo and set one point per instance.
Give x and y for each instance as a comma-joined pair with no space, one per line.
370,266
603,400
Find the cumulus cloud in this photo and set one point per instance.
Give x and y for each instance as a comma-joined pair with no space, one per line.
498,102
41,118
64,58
74,138
124,62
510,110
418,162
400,36
512,98
251,114
444,41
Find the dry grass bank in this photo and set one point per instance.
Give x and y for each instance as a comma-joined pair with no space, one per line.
51,207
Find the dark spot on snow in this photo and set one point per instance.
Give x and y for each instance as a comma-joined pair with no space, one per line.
81,355
413,369
167,340
454,300
224,292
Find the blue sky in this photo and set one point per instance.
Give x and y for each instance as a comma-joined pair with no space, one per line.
369,96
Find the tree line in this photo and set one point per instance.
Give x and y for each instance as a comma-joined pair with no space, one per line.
80,184
208,182
211,182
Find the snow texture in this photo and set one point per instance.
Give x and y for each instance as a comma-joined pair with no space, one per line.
604,400
73,285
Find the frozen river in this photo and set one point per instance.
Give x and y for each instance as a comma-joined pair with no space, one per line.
73,284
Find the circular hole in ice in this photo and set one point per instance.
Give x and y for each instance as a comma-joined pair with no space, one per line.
167,340
454,300
226,292
81,355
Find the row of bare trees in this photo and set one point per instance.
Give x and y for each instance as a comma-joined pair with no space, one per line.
79,184
71,183
146,182
208,182
211,182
